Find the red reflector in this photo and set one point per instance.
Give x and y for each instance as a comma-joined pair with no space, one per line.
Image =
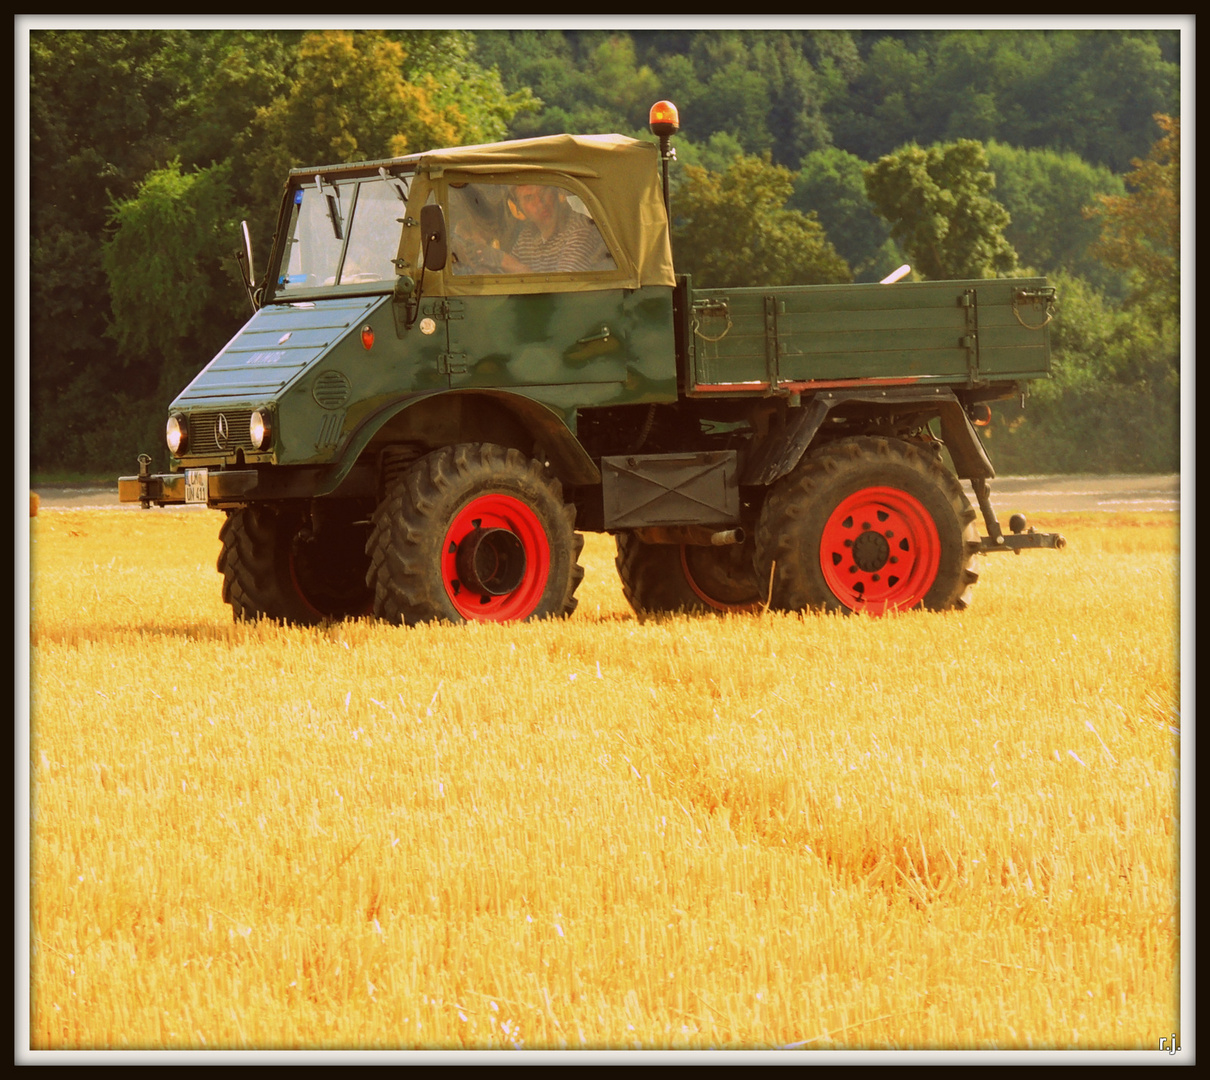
367,336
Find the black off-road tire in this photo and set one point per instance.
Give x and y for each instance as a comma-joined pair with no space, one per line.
910,540
664,578
274,567
431,510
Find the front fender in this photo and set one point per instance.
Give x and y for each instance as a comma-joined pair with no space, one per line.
568,460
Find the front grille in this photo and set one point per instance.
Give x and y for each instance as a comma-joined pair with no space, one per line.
204,435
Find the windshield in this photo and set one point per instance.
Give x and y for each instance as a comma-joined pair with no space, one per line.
344,233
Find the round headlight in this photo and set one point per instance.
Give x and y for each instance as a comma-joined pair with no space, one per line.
260,430
177,434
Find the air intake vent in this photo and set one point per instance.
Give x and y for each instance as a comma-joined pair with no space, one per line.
331,389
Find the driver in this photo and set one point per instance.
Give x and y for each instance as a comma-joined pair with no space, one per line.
554,238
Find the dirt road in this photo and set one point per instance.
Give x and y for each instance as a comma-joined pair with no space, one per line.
1039,494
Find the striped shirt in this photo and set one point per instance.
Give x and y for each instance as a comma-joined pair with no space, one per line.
576,246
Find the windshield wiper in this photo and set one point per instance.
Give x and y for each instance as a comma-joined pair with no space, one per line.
397,185
332,194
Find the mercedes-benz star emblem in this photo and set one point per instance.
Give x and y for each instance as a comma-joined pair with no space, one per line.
221,432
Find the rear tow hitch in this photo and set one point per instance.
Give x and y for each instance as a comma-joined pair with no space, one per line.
1020,537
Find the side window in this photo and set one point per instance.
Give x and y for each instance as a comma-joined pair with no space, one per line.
523,229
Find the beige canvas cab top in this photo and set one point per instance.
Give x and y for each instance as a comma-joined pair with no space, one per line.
616,177
619,175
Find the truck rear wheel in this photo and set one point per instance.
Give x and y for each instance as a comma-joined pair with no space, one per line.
869,524
659,578
474,532
275,566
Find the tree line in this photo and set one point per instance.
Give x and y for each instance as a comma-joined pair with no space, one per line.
804,156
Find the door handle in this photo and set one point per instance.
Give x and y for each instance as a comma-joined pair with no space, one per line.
602,335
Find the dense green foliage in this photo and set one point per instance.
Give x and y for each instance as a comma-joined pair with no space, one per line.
831,184
734,227
941,210
805,155
1045,193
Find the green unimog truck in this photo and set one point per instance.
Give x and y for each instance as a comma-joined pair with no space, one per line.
461,358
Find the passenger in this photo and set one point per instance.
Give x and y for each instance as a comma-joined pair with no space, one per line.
481,227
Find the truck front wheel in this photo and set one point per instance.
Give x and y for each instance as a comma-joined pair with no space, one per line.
659,578
474,532
276,566
868,524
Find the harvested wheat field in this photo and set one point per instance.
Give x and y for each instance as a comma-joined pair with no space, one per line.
919,832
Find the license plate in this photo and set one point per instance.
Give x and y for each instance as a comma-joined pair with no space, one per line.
197,485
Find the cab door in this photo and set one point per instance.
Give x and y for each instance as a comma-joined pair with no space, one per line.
537,339
535,298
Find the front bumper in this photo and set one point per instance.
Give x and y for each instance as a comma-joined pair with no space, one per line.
222,487
225,488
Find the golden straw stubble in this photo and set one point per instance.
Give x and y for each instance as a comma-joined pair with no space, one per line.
939,831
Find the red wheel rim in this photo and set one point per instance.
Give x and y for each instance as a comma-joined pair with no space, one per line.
880,551
710,601
497,512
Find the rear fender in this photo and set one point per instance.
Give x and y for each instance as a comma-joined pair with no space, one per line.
783,449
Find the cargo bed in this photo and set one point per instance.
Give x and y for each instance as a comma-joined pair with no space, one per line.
802,338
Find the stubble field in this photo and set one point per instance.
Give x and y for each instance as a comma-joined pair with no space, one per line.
916,832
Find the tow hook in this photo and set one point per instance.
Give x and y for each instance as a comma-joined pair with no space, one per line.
144,481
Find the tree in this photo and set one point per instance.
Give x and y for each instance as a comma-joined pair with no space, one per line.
736,100
150,146
171,251
234,74
941,211
1106,86
1141,230
624,86
102,110
883,108
1113,402
734,228
831,182
354,96
759,87
460,86
1045,192
1088,92
580,82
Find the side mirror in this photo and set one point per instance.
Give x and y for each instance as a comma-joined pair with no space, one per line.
432,237
244,258
248,252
